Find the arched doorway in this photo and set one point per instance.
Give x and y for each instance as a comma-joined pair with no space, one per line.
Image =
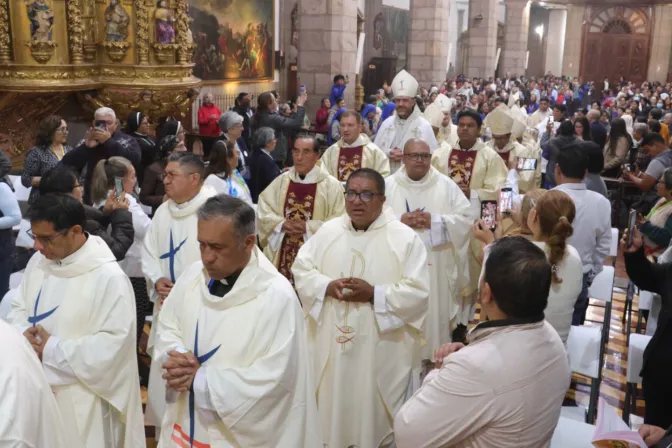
616,43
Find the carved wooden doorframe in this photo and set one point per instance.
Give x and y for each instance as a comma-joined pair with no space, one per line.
616,42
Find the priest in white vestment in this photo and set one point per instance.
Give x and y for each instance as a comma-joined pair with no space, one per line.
26,396
480,172
506,130
406,124
170,246
77,309
448,131
232,343
363,281
296,204
435,207
541,115
353,151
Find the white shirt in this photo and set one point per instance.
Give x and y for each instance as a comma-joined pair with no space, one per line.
592,225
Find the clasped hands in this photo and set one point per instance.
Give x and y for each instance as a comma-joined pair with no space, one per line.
180,370
294,227
396,155
38,337
360,291
417,219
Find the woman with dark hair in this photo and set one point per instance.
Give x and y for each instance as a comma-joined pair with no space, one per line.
49,149
152,191
222,174
617,148
137,125
582,129
532,105
267,116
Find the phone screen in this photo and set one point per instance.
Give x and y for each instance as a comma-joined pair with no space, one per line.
101,124
632,219
489,213
302,89
525,164
505,201
118,186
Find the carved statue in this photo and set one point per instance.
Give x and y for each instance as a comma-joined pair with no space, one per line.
116,22
165,32
41,19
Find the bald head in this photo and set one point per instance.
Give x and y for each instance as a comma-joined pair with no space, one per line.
417,158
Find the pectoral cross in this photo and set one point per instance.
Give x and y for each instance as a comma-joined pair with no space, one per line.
172,252
36,318
201,360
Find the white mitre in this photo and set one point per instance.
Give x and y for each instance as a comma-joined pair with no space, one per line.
499,120
518,129
404,85
444,103
434,115
513,99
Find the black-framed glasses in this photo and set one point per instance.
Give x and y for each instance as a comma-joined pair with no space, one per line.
46,240
364,196
419,157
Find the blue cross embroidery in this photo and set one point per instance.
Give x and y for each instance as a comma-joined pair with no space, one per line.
35,318
171,255
201,361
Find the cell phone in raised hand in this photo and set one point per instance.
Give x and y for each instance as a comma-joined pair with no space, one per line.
632,220
489,214
118,186
527,164
505,201
101,124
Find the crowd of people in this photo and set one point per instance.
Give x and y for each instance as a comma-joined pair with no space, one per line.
308,298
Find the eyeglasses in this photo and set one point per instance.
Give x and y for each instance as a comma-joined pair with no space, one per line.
46,240
419,157
169,175
364,196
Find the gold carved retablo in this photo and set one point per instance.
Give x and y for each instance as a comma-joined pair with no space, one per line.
41,50
116,50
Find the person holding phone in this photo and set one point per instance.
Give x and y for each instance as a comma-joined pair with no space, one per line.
656,226
657,364
103,141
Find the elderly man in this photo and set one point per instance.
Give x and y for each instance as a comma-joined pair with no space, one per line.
408,122
169,248
434,206
448,131
102,141
506,387
231,340
353,151
76,308
208,114
502,124
232,128
363,280
296,205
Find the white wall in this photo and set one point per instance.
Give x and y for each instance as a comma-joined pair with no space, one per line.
555,44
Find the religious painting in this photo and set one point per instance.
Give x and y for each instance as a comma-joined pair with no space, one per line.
41,18
233,38
395,35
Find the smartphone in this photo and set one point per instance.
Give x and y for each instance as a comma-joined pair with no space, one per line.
489,213
627,167
505,201
632,220
302,89
118,186
527,164
101,124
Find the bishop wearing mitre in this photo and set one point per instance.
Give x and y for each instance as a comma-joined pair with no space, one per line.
296,204
353,151
363,281
448,130
480,172
231,342
407,123
506,129
77,309
170,246
435,207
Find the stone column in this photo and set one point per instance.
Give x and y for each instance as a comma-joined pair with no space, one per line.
428,41
557,23
571,60
482,19
661,44
327,47
514,53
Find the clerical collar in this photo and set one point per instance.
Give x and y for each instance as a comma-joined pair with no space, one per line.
302,176
231,279
509,322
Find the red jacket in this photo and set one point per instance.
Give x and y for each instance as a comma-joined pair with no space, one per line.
206,124
321,118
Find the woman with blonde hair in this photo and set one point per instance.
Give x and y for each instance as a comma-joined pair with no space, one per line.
102,186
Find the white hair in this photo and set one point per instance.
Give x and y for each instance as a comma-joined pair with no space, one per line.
105,112
228,120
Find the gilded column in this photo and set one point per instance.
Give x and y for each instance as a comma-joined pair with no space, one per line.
5,50
142,33
75,31
181,31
